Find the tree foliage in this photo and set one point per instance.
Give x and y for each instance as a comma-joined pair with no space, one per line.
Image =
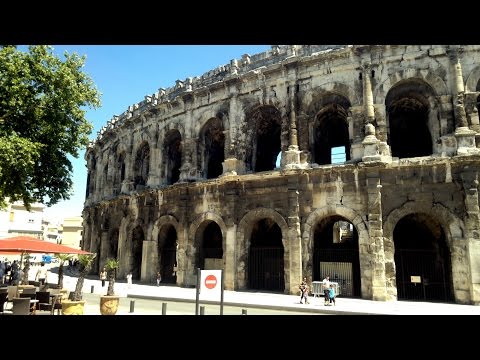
43,101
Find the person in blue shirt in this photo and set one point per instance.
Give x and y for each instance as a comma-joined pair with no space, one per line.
331,295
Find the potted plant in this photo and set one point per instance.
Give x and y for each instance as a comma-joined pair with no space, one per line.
109,302
74,305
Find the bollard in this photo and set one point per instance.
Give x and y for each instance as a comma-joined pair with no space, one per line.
244,311
132,306
164,308
202,310
91,290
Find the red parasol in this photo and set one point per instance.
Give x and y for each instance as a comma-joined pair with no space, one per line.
26,244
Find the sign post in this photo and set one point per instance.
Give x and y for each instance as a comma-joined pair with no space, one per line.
211,286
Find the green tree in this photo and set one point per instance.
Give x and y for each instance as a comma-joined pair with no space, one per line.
111,266
86,262
43,102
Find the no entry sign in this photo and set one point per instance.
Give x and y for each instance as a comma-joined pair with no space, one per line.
210,284
210,281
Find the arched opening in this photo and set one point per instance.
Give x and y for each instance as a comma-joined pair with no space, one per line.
173,154
91,175
266,257
331,130
119,175
209,242
167,254
113,245
136,254
87,192
408,110
142,166
213,148
422,260
335,254
266,124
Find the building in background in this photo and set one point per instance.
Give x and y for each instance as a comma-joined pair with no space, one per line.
71,231
16,220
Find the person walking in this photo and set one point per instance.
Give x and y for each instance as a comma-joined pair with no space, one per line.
41,274
326,289
159,278
331,295
304,291
103,276
129,280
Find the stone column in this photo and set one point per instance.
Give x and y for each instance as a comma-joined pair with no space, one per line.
232,165
293,268
292,155
472,232
373,149
375,251
465,137
356,120
188,170
229,269
104,249
148,268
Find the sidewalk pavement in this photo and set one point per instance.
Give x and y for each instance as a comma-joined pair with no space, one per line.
344,306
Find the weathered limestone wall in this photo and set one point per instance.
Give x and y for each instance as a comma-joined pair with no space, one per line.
296,88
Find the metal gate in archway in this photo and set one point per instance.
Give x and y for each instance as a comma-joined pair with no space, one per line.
266,269
342,266
423,275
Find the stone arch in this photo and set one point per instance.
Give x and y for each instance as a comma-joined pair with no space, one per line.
243,235
471,85
142,165
452,225
192,246
408,108
211,148
450,233
166,253
172,156
309,103
308,236
125,245
264,138
328,126
434,81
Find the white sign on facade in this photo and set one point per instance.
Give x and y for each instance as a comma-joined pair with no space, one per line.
210,284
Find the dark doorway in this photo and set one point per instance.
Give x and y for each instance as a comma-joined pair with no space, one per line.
213,146
137,248
408,109
331,131
173,156
211,253
422,260
167,254
266,257
335,254
264,126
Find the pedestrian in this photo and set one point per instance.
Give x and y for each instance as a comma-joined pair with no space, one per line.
41,274
2,272
129,279
304,291
326,289
103,276
331,295
159,278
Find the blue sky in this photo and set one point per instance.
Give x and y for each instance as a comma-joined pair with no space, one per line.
124,74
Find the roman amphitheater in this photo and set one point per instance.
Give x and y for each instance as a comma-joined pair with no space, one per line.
357,162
